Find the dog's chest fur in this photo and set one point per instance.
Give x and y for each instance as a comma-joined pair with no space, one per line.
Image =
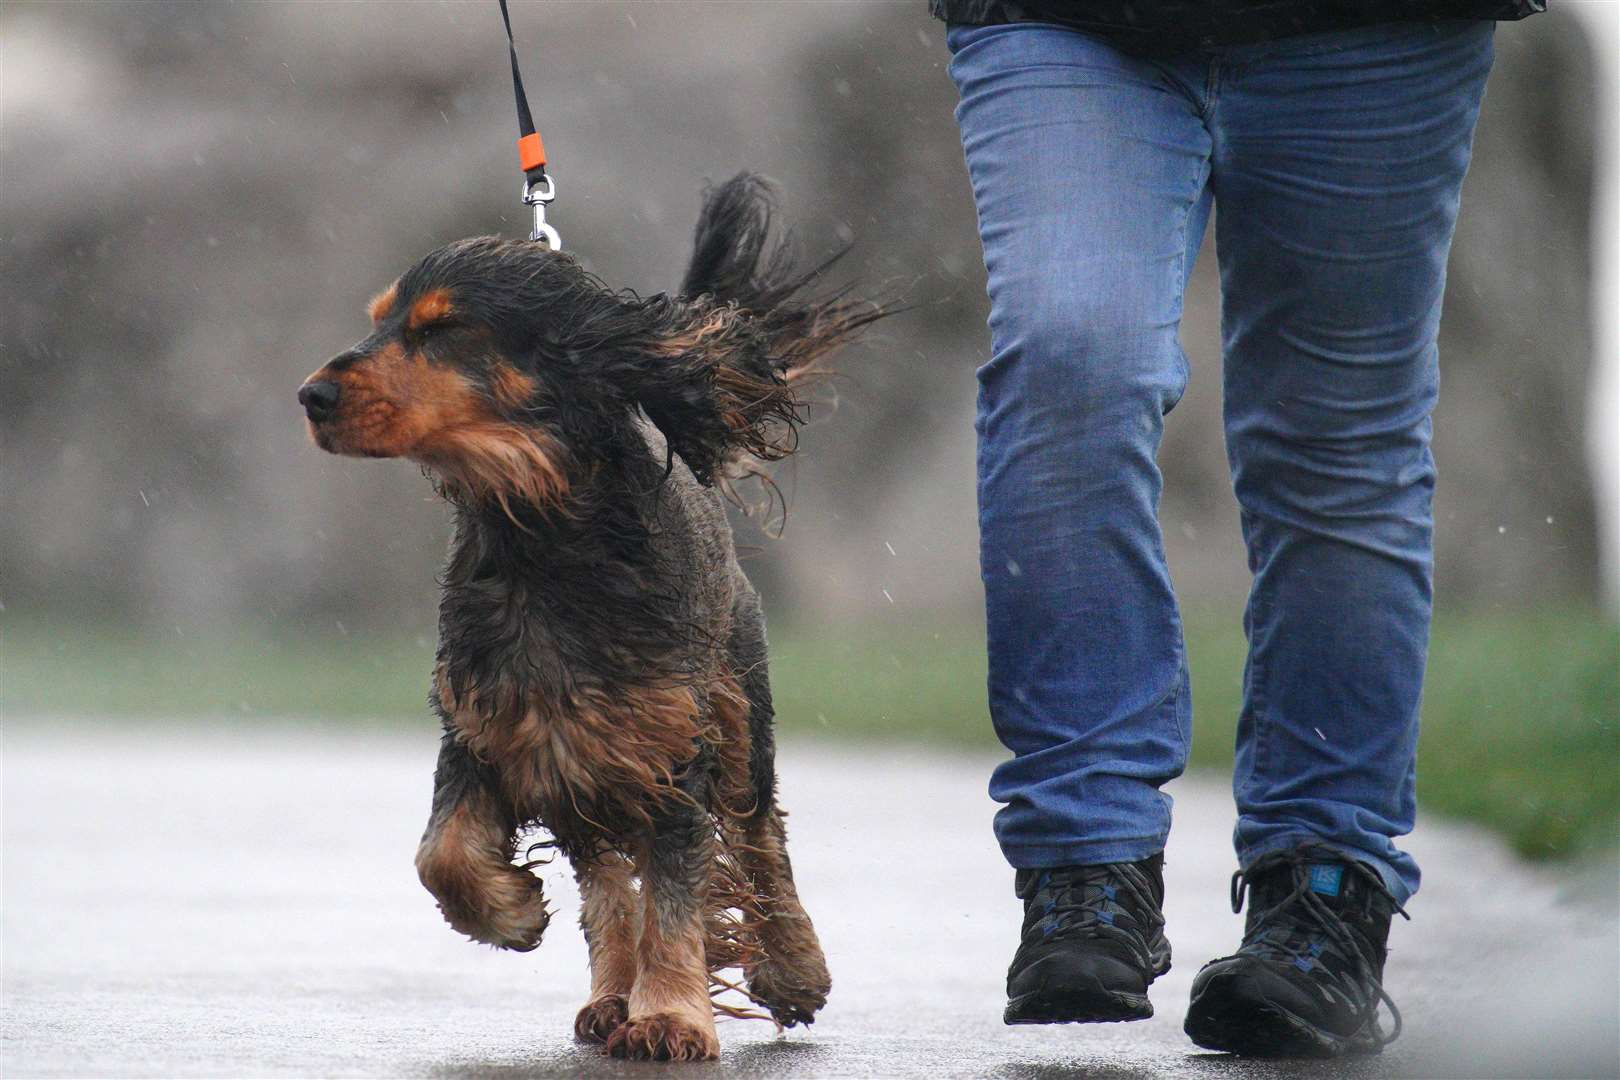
588,674
592,763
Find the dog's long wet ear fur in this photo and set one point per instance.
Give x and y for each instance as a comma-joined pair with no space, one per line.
728,374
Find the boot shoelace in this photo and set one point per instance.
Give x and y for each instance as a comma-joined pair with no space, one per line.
1304,946
1082,897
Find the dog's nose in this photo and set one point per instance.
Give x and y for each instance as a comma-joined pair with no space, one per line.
319,399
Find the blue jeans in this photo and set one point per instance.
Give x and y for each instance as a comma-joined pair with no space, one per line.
1335,160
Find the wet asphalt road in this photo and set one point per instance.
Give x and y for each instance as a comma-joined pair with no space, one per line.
241,902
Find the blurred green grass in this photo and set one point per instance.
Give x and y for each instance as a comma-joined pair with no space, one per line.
1521,717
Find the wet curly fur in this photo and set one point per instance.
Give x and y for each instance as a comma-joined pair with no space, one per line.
601,667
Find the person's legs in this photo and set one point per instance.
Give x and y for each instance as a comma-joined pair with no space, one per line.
1337,165
1089,172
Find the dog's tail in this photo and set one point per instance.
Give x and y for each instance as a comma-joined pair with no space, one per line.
735,260
727,377
729,260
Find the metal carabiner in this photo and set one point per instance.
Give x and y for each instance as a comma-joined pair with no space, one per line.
536,197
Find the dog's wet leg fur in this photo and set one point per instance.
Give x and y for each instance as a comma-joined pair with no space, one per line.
465,858
671,1015
791,980
609,916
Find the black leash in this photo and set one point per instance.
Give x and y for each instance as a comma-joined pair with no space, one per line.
538,186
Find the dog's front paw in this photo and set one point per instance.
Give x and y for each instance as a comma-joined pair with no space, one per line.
601,1018
521,926
512,919
480,895
664,1037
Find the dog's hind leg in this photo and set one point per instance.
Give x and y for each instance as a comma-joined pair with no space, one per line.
671,1016
608,916
465,858
791,979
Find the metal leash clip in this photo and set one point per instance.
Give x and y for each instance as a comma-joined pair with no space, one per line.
537,195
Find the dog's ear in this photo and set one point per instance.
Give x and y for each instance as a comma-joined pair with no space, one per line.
717,383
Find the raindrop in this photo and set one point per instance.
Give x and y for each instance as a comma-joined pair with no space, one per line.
1014,569
892,551
887,597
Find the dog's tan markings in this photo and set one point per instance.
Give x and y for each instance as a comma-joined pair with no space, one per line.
510,388
600,1017
670,1015
465,861
382,305
430,307
729,734
498,461
397,404
609,917
392,401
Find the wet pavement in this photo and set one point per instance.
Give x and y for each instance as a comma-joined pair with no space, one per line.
235,901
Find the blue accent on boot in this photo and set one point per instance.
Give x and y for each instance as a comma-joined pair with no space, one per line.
1326,878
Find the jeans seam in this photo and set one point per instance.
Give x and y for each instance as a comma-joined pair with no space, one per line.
1255,695
1172,710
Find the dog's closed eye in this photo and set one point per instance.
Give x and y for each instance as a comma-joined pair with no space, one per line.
433,329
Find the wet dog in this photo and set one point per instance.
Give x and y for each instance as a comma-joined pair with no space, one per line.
601,666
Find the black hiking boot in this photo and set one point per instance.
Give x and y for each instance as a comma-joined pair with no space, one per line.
1306,980
1093,941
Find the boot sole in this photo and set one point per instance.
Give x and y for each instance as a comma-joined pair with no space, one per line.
1076,1005
1237,1024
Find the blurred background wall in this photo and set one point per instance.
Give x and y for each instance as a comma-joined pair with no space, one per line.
198,200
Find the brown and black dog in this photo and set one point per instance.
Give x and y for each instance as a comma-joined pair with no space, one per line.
601,666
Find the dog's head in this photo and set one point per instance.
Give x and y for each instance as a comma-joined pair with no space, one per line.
510,372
